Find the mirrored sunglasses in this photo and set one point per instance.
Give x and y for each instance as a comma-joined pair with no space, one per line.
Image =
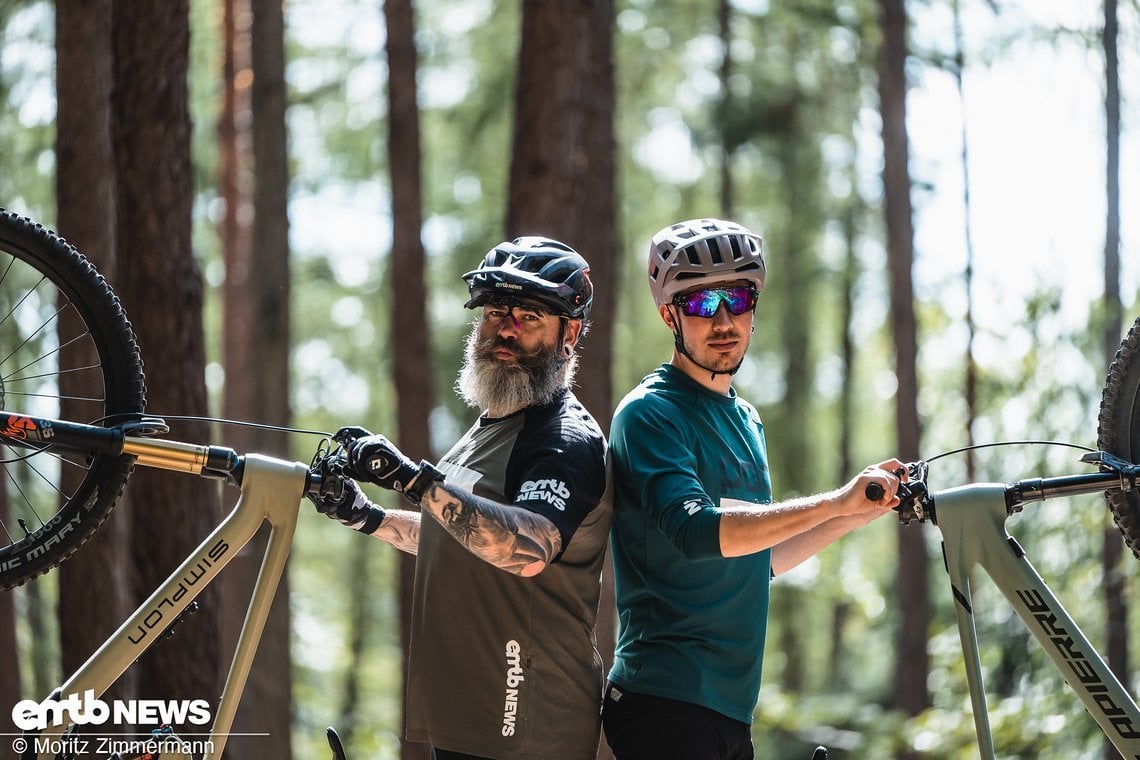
704,303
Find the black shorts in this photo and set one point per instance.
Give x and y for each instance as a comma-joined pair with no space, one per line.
643,727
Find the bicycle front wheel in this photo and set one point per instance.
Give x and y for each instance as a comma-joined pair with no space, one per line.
1118,430
67,352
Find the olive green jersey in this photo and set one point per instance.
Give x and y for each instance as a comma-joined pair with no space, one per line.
503,666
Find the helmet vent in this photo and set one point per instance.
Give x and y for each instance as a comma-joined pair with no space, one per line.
734,243
715,253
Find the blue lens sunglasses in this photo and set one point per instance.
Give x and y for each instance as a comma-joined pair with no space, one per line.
705,303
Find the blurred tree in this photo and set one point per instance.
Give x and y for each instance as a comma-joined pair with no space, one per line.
1115,586
971,370
256,337
10,685
563,183
85,199
843,89
409,326
9,654
161,288
912,664
27,142
562,179
724,109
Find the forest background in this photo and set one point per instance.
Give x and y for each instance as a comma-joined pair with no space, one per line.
970,297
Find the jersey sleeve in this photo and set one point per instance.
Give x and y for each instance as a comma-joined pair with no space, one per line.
654,457
559,472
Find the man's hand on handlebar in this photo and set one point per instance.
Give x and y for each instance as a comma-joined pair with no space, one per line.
881,483
909,497
341,499
375,459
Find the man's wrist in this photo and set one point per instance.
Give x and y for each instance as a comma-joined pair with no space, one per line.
422,483
370,518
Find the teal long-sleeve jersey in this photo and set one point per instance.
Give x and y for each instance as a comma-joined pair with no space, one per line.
692,622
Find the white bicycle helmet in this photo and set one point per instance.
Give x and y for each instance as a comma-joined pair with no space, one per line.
698,251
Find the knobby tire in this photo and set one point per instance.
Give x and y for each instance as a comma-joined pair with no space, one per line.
67,351
1118,430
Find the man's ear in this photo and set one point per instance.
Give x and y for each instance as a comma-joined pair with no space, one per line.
667,316
571,335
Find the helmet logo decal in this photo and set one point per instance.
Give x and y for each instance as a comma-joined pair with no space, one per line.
545,270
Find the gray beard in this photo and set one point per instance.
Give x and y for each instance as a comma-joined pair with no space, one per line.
498,388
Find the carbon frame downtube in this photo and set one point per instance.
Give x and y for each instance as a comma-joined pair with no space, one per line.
972,521
272,490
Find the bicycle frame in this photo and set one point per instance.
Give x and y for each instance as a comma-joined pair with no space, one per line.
271,491
972,521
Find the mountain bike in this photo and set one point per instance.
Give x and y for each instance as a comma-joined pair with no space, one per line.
73,427
972,518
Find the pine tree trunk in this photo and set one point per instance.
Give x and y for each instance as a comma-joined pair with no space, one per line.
85,193
161,288
409,328
562,185
256,350
1115,582
912,663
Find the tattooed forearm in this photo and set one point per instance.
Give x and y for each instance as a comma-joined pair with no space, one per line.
401,529
509,538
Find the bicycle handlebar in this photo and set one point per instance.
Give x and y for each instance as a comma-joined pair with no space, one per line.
918,503
133,437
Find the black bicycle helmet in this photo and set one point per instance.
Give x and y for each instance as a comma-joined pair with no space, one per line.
538,268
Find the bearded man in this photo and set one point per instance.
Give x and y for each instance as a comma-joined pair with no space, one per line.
511,530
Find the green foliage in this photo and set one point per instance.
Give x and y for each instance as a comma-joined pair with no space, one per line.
27,113
321,629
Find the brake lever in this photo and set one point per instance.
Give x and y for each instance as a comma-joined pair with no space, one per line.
326,470
914,503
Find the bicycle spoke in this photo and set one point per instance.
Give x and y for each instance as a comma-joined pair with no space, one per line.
11,312
68,353
92,399
28,508
33,334
48,355
48,375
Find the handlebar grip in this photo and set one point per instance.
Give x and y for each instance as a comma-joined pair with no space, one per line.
874,491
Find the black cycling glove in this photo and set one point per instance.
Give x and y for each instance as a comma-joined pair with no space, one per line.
375,459
341,499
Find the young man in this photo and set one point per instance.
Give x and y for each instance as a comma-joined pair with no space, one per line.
695,537
511,531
